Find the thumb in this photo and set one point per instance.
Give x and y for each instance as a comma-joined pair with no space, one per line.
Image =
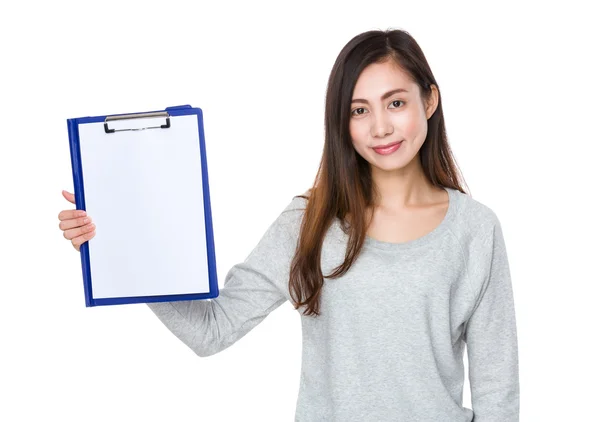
69,196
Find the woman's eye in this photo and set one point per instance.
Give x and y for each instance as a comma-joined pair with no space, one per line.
356,113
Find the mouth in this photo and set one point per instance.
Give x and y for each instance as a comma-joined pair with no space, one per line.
389,148
386,145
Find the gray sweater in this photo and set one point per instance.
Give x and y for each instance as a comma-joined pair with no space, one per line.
389,343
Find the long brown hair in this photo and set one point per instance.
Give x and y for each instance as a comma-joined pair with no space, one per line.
343,187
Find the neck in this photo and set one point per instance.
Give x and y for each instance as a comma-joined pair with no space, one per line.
403,188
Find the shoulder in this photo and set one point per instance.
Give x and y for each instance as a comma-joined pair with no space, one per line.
289,219
482,243
474,216
297,204
478,232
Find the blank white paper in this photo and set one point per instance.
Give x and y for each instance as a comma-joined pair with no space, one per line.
143,190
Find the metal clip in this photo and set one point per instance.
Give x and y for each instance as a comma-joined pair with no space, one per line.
137,116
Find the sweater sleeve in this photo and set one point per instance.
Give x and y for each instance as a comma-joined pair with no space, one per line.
491,336
252,289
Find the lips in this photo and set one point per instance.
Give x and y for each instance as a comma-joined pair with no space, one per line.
389,148
387,145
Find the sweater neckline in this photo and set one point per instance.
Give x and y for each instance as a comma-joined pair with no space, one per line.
439,230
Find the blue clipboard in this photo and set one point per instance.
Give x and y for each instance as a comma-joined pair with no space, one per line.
143,180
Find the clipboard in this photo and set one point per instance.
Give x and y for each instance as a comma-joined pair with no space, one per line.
143,180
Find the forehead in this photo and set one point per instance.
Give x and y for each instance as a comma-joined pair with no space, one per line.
377,78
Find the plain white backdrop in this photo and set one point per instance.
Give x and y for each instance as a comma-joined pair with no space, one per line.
519,87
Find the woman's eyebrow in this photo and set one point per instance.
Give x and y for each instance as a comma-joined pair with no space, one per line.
383,97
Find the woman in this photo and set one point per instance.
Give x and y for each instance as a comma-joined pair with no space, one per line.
394,267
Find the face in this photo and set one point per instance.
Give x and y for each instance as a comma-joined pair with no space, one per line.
380,116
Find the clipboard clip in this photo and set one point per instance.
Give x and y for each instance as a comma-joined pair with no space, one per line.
137,116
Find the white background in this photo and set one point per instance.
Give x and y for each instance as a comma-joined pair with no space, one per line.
519,86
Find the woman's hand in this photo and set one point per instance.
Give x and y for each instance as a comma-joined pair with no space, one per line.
76,224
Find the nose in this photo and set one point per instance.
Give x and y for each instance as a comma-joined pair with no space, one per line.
381,126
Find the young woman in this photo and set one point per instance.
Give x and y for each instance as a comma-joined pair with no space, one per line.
393,266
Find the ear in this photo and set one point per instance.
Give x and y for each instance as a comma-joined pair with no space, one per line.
432,102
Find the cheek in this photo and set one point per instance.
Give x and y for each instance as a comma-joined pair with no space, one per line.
359,131
411,125
355,134
359,139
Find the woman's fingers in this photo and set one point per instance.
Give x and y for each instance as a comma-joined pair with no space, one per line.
74,222
84,237
69,196
76,225
71,214
86,230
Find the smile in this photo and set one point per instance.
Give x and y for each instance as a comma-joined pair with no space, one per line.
388,149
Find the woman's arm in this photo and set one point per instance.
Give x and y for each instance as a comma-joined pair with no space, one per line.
252,289
491,335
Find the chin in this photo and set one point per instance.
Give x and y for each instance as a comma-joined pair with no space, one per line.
391,166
